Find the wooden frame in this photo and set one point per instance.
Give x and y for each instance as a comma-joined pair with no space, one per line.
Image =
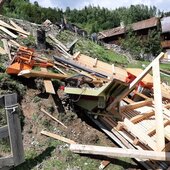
13,130
160,134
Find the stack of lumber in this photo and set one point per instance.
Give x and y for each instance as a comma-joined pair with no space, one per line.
9,32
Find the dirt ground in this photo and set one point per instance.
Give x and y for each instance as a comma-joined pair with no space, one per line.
79,129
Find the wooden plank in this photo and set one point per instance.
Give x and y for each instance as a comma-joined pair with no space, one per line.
52,117
14,43
137,132
134,83
136,105
8,32
48,84
18,28
153,129
2,23
6,161
141,95
127,100
119,152
14,128
117,139
42,74
4,132
61,45
59,70
141,117
160,136
2,51
6,47
58,137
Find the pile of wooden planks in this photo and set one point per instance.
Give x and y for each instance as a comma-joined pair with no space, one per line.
143,127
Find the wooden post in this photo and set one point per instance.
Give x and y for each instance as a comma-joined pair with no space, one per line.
160,135
4,132
14,128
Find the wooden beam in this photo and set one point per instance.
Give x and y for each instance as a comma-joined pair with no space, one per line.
4,132
2,51
53,117
141,95
119,152
8,32
3,24
134,83
58,137
48,83
137,132
19,28
160,135
14,43
42,74
136,105
6,47
76,55
141,117
151,131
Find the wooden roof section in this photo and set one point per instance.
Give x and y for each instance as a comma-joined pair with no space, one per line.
149,23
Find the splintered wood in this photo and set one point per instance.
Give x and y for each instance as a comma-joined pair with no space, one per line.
144,125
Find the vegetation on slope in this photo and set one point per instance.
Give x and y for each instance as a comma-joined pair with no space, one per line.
93,19
86,46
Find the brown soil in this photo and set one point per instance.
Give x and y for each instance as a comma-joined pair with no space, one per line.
77,130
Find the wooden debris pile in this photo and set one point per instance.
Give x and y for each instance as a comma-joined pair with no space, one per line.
130,106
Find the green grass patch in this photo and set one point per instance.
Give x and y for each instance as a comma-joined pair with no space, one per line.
87,47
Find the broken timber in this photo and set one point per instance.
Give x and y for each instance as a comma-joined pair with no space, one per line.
48,83
58,137
119,152
42,74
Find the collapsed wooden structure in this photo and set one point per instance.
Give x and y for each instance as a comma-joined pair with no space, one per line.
134,120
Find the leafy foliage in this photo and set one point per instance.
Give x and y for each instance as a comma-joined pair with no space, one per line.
137,45
93,19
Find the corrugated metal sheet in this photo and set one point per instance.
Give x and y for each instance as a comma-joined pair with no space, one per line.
149,23
165,24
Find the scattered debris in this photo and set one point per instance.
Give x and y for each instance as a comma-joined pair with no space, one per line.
127,104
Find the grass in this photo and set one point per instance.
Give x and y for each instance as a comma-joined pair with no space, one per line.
87,47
